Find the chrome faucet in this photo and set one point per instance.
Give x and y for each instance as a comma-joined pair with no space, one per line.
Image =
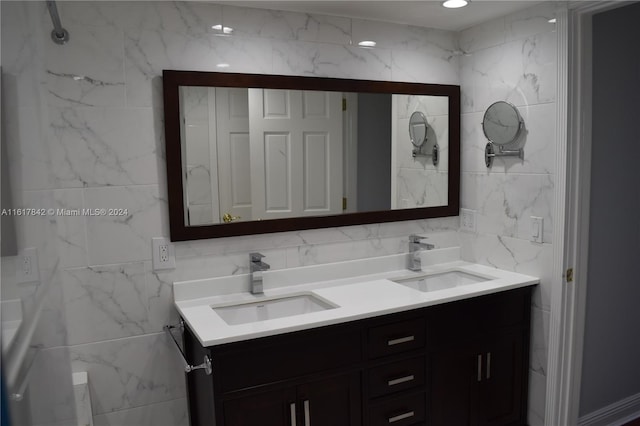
257,267
415,246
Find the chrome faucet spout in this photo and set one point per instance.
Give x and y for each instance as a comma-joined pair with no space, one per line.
256,268
415,246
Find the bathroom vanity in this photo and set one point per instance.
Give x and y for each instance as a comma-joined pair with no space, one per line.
447,345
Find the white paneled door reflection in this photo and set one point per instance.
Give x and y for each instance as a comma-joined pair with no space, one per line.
296,153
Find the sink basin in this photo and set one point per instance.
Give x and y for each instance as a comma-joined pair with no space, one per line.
441,281
270,309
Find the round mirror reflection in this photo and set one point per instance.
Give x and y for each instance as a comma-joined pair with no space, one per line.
501,123
418,127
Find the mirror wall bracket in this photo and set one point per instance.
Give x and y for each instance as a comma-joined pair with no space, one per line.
416,152
188,368
490,153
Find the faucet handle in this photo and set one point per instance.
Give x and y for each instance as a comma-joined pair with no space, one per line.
413,238
256,257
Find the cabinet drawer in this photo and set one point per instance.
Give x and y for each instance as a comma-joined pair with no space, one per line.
404,411
396,376
396,338
278,358
452,321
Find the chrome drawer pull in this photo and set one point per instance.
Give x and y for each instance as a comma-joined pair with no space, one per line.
401,380
480,367
401,417
401,340
292,407
489,365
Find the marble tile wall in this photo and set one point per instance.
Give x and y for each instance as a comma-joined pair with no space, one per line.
513,59
99,143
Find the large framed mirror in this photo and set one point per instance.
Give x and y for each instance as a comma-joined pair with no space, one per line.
253,154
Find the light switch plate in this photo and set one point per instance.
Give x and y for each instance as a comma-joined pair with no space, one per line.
467,220
537,230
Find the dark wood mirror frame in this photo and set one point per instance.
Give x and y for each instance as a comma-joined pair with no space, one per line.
172,80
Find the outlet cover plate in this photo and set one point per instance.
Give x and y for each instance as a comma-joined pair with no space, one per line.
467,220
27,270
163,254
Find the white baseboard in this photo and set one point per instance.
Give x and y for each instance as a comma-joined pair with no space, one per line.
616,414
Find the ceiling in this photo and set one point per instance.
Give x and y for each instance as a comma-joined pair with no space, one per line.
426,13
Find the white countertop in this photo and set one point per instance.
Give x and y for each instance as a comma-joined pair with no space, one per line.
356,296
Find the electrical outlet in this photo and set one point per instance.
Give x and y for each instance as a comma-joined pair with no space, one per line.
163,254
467,220
537,229
27,268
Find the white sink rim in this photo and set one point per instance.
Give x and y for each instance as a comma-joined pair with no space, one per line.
246,311
470,278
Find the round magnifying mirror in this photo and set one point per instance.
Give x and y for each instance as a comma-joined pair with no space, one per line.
418,127
502,123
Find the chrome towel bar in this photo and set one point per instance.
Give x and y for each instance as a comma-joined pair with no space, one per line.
188,368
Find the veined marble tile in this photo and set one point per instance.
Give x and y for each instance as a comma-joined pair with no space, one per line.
539,341
522,72
467,95
421,188
51,330
505,202
103,146
538,142
510,254
537,398
193,18
429,105
403,37
287,25
105,302
148,52
338,252
532,21
88,70
60,237
28,147
51,389
425,66
330,60
170,413
124,238
131,372
482,36
22,69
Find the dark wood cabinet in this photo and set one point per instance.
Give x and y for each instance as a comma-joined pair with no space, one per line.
461,363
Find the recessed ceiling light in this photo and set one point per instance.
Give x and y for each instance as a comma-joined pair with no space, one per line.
552,20
216,27
454,4
223,65
367,43
223,30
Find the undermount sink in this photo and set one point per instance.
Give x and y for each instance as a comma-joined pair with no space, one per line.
270,309
440,281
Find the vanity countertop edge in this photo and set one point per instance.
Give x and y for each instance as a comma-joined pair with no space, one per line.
357,297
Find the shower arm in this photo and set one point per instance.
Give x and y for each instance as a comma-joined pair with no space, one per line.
59,35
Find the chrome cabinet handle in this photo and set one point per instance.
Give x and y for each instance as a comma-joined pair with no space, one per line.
307,417
400,340
401,380
401,416
488,365
292,408
480,367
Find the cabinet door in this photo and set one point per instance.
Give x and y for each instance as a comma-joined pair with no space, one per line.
452,376
334,401
500,392
273,408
